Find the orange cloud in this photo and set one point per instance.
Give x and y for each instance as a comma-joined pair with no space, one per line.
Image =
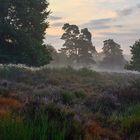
54,31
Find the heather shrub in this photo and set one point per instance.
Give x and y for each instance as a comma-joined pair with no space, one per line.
68,98
4,91
63,119
104,103
127,123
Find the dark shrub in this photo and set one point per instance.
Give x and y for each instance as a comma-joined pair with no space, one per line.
103,103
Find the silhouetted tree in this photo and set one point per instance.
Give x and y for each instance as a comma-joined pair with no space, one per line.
86,48
78,45
135,61
70,37
113,57
22,28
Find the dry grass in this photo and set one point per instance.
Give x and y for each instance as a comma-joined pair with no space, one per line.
7,105
10,103
4,113
93,131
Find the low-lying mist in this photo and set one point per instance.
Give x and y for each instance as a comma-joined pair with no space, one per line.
95,68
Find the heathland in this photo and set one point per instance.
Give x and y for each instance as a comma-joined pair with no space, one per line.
68,104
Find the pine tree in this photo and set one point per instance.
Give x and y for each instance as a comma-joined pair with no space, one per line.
86,48
22,29
78,45
113,56
135,61
70,36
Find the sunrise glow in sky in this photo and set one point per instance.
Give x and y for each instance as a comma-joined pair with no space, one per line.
114,19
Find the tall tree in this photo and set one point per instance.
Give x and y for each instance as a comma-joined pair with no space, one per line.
22,29
70,36
86,48
113,57
135,61
78,45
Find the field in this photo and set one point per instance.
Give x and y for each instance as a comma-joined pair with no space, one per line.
68,104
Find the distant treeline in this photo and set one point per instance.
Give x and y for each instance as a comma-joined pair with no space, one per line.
78,51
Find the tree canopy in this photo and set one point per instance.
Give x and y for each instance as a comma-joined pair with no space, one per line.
78,45
22,30
113,57
135,61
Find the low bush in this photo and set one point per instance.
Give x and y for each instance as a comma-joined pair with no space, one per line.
62,119
38,129
127,123
68,98
4,91
105,103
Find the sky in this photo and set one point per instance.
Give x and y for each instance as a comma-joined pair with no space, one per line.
105,19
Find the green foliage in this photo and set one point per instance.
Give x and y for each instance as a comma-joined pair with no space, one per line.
128,122
4,91
135,61
136,84
62,122
13,71
78,45
87,72
80,94
113,55
68,98
104,104
22,29
39,129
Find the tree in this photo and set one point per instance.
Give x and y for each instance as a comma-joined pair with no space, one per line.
70,37
113,57
22,29
135,61
78,45
86,48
